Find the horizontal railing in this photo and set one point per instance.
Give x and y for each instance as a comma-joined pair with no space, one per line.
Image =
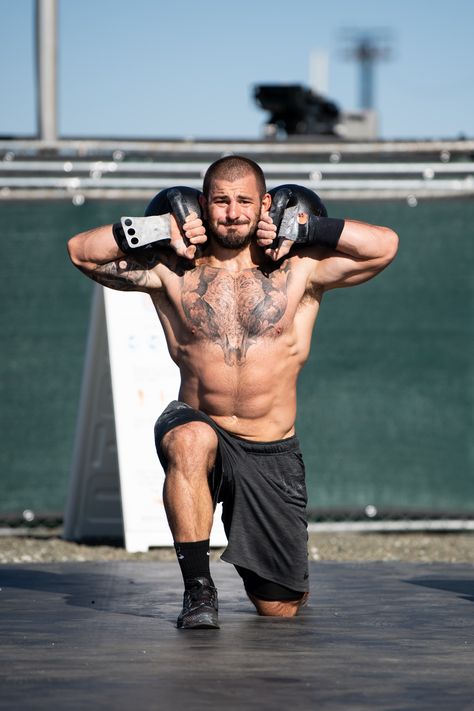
428,170
118,170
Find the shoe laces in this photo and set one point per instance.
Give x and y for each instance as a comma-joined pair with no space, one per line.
199,590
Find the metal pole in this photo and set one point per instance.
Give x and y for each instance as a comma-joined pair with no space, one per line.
366,83
46,13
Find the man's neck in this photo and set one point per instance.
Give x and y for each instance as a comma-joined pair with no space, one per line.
234,260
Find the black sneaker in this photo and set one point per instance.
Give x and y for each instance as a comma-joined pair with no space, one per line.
199,605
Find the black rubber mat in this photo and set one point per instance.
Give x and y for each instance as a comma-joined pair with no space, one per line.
103,636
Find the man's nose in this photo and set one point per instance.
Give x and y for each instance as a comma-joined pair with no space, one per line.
233,210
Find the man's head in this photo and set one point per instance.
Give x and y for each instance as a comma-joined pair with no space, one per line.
231,168
234,194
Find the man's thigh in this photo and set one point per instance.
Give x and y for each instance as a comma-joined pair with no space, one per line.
191,445
170,430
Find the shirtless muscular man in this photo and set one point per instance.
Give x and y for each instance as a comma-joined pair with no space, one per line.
237,285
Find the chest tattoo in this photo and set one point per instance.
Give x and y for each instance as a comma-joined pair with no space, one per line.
234,310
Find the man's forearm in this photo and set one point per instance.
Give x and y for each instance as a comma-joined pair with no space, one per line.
97,255
364,241
94,247
133,236
355,239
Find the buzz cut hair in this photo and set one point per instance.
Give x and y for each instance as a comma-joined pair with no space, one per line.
232,168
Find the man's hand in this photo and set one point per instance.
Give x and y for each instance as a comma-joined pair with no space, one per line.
185,242
266,234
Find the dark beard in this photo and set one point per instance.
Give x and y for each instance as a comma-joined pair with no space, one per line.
232,241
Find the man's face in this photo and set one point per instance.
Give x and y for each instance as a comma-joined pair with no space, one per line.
233,210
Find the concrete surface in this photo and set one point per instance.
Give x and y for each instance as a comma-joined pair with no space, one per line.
93,635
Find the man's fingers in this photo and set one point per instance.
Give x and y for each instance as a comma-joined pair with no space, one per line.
194,230
198,234
280,251
266,231
190,251
182,250
184,240
267,238
199,239
284,247
273,254
265,234
191,221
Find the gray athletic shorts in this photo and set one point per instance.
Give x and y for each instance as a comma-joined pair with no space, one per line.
262,489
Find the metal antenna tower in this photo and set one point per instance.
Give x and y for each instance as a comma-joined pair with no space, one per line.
367,47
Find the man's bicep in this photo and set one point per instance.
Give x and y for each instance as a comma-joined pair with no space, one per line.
339,270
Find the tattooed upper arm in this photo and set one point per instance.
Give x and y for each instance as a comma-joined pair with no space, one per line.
127,274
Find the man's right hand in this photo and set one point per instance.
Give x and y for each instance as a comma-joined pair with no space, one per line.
193,232
267,238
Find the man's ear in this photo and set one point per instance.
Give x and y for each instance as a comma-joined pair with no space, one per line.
266,202
203,203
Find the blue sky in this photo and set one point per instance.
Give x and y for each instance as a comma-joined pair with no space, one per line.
150,68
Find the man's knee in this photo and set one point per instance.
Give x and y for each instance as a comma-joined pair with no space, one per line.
194,442
278,608
271,599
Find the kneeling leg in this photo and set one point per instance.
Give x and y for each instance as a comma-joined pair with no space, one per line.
271,599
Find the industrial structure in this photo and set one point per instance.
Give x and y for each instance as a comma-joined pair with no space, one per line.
313,142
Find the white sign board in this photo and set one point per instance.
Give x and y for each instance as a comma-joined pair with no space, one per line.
143,380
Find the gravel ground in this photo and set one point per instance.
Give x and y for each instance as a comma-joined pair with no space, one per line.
46,546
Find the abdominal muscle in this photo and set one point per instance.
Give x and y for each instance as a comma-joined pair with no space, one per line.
239,340
255,400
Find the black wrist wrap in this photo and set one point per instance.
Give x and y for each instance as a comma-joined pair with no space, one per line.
124,246
325,231
119,237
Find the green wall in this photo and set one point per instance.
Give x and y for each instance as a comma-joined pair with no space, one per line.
385,401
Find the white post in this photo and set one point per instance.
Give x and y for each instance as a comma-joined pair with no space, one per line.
46,14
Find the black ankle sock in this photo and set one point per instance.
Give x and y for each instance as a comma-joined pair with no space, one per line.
193,559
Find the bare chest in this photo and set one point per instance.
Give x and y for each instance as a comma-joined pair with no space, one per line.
234,310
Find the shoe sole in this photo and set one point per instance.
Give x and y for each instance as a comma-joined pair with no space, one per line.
200,626
205,622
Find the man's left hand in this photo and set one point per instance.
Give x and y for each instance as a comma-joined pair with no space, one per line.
266,234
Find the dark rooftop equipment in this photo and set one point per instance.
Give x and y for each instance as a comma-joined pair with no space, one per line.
297,110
